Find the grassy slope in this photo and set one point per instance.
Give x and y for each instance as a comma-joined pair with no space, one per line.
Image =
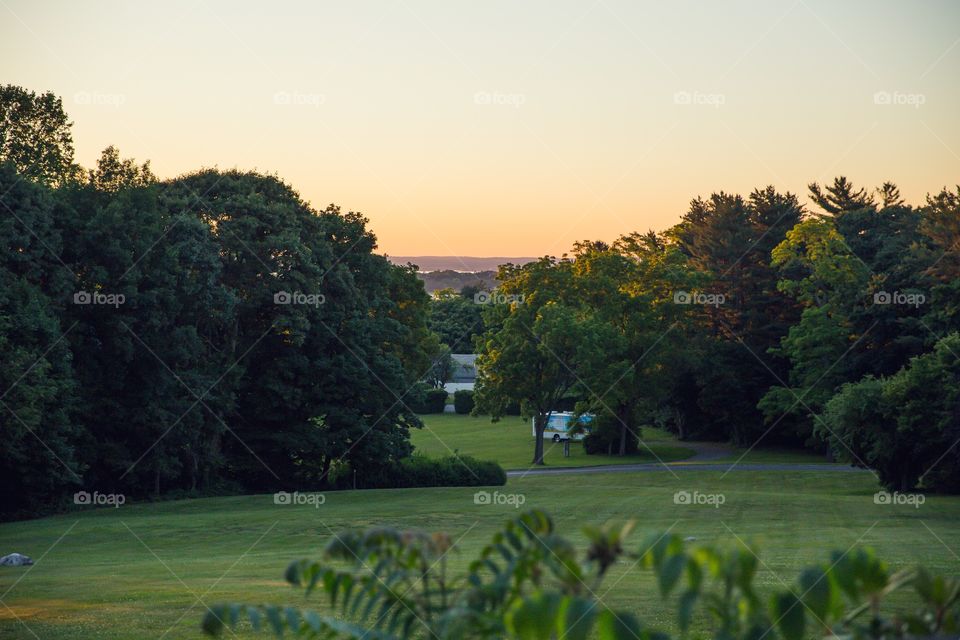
100,581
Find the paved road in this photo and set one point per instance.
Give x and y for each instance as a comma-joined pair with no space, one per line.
687,466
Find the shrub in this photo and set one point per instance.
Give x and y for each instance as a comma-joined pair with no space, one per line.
903,426
420,471
436,400
463,401
423,398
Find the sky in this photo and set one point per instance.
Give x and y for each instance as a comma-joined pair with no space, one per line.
504,128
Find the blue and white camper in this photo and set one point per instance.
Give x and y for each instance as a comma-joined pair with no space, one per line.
561,423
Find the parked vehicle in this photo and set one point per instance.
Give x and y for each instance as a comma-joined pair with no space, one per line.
562,426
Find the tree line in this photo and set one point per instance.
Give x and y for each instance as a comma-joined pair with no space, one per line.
754,320
211,332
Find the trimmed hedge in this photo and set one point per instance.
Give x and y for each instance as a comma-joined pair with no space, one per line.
425,399
463,401
420,471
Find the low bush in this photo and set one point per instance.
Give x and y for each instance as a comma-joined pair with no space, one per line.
420,471
423,398
463,401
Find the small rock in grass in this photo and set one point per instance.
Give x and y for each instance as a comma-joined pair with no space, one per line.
16,560
689,539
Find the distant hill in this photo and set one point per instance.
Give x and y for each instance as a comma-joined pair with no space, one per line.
467,264
457,280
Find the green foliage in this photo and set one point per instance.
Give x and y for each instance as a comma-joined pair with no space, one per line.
420,471
905,426
607,434
38,450
463,401
532,584
456,319
35,135
424,398
198,375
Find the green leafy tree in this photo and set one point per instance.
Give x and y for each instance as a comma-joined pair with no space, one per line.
38,457
456,318
35,135
904,427
541,349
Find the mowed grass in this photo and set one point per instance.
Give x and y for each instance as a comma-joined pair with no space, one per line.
510,442
145,570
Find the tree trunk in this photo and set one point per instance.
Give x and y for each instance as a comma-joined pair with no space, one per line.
622,413
540,423
325,476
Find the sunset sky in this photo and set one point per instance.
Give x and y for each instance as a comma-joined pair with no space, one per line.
507,128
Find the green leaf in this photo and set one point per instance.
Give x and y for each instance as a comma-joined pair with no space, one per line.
575,618
533,618
670,572
617,626
817,592
685,609
789,616
212,624
273,617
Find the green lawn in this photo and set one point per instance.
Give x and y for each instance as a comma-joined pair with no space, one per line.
143,569
510,442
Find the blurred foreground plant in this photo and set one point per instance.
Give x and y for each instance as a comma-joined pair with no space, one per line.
530,583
